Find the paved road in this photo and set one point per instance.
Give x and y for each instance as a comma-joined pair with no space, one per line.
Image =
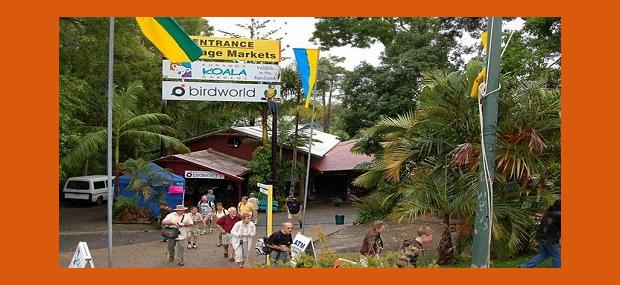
89,224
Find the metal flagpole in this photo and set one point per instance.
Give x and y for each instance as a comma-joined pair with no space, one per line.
303,216
110,98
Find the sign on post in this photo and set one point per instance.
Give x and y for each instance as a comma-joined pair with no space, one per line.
268,190
225,71
301,244
81,257
238,49
203,174
212,91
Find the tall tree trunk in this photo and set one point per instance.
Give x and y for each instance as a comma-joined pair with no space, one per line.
86,167
264,116
445,250
328,115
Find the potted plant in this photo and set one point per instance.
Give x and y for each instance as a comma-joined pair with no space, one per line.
337,201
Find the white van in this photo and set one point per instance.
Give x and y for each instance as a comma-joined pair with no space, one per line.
91,188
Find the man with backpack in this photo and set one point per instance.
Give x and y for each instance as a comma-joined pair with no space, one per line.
294,210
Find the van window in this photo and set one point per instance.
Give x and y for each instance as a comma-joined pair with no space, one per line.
79,185
99,184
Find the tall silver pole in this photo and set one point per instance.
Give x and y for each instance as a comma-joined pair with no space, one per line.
110,98
303,216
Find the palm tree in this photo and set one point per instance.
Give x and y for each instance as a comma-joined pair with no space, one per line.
142,179
443,193
445,127
127,125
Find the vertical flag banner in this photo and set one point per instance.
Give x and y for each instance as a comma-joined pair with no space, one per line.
307,67
169,38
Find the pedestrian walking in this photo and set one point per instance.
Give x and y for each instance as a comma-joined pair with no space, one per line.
548,237
194,230
242,234
219,212
279,245
372,244
181,221
293,208
206,209
225,225
245,207
254,202
164,210
411,249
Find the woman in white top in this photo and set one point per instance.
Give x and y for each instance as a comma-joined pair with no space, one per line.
242,234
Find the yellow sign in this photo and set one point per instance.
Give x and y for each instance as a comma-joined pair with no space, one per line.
238,49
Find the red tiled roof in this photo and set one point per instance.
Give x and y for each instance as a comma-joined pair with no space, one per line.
340,158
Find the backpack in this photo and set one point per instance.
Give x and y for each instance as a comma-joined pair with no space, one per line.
261,248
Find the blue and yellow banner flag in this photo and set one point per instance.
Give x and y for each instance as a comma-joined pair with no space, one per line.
169,38
307,66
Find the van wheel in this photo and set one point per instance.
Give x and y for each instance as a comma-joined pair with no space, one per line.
99,200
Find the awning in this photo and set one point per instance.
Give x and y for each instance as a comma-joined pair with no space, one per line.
213,160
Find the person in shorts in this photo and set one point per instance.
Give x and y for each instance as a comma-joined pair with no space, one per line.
279,245
194,230
206,209
254,202
225,225
293,208
219,212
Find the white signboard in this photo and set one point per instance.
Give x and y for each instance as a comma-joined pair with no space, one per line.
300,244
261,185
203,174
81,257
227,71
210,91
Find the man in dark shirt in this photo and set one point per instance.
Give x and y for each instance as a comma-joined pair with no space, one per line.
280,245
294,210
548,237
225,224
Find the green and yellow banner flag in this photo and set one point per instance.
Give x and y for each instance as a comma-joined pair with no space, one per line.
169,38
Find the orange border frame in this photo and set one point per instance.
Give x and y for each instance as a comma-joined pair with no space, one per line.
30,138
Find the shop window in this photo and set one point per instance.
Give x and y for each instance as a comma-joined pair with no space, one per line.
234,142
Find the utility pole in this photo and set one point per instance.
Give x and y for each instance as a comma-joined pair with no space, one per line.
109,153
488,120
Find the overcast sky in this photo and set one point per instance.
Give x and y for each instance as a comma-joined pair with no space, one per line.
297,31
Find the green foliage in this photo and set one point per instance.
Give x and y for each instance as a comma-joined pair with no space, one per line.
431,156
123,203
142,179
261,169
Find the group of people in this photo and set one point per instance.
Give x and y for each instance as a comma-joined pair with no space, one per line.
410,249
236,226
547,236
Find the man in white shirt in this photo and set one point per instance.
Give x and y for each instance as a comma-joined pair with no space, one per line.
181,221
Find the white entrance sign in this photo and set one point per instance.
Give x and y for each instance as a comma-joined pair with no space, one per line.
226,71
203,174
81,257
301,244
210,91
